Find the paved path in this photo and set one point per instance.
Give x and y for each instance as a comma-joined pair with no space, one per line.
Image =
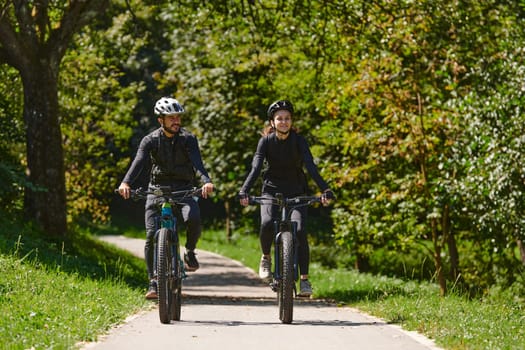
225,306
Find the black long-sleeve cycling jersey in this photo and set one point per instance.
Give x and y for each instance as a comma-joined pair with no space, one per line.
175,161
285,160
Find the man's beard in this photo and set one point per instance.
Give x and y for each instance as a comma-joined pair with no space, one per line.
170,129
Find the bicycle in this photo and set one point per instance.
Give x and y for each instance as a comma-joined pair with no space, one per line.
167,260
286,271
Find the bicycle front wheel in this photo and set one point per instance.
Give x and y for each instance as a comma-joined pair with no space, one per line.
286,285
164,272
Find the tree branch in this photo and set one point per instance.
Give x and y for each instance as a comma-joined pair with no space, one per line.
11,51
78,14
27,32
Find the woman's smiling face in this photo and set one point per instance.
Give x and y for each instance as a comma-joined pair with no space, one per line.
282,121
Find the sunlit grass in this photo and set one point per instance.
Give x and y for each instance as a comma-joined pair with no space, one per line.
453,322
55,295
42,307
243,248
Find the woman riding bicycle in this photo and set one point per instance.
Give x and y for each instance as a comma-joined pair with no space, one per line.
286,152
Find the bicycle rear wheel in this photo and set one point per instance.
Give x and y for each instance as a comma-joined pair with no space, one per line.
177,286
286,285
164,278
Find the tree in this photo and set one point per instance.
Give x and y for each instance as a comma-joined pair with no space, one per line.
398,136
34,36
491,151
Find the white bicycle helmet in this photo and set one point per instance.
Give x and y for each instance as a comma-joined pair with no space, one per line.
168,106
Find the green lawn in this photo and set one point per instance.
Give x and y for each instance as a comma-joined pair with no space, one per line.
56,295
496,321
53,296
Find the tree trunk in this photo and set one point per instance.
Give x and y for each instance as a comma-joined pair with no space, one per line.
362,264
228,219
33,40
45,199
454,257
438,263
451,243
521,248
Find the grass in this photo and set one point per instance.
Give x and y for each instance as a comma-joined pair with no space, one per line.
57,295
496,321
455,322
45,308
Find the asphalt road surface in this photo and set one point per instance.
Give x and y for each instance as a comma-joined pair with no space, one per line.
226,306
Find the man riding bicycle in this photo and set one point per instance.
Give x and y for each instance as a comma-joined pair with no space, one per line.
286,152
173,158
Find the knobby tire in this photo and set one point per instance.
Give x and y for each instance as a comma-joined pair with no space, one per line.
286,285
164,280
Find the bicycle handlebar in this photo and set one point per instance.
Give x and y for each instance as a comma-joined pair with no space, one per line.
167,193
287,202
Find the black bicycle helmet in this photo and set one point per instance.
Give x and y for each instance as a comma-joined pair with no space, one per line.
279,105
168,106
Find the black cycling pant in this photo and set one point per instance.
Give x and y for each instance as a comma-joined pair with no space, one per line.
191,217
270,213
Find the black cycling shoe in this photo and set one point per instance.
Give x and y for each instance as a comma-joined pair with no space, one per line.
152,290
191,261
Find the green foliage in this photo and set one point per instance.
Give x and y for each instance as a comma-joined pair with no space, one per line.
381,89
398,154
97,128
12,177
491,154
414,112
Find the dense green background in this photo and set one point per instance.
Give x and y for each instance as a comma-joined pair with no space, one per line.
414,111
